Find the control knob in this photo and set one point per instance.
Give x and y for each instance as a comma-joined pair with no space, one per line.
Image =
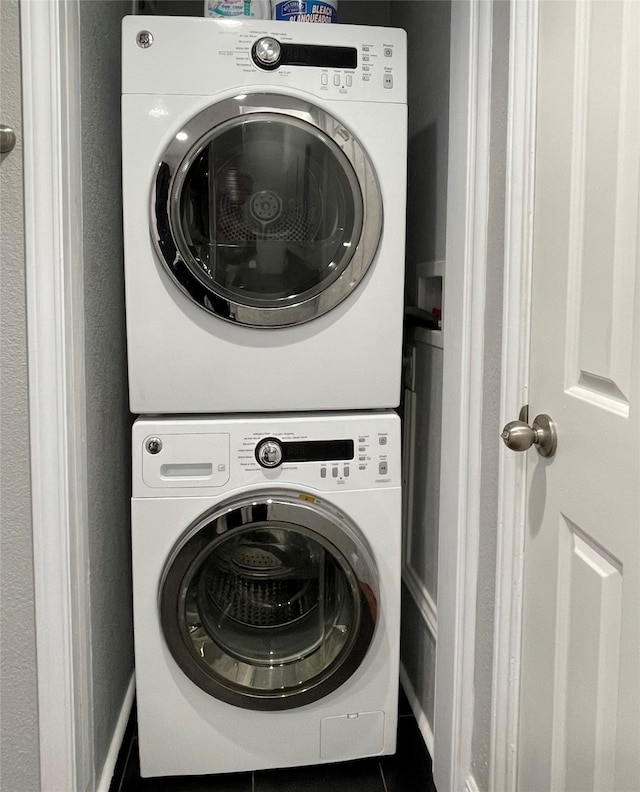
269,452
266,53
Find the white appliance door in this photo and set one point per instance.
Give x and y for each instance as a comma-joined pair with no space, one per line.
266,210
270,601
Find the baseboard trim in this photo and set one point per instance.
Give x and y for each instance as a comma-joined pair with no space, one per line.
109,766
416,708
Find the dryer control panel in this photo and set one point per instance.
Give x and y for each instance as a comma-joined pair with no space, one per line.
193,56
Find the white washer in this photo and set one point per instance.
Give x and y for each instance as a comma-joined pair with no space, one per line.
266,594
264,171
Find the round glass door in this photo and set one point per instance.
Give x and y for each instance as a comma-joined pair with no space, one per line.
270,603
266,211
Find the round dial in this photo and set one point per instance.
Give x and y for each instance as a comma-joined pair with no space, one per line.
266,53
269,453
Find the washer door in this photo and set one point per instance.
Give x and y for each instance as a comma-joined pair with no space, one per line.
270,601
266,211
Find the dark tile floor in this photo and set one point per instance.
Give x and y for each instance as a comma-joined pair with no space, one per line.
409,770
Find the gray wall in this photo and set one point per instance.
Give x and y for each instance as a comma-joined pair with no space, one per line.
19,766
107,417
427,23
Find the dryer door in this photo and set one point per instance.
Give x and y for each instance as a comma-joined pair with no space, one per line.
266,210
270,601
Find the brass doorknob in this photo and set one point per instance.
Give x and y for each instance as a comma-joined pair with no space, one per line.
519,436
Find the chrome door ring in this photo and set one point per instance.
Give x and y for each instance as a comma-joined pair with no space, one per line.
307,516
177,158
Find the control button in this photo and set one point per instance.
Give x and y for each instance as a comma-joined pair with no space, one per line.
362,459
365,58
361,448
366,68
266,53
362,467
222,468
349,81
365,49
334,472
324,79
388,81
346,471
336,79
323,472
361,439
382,468
388,52
366,77
382,440
269,453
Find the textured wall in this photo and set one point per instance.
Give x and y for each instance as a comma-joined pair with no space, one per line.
428,24
107,418
365,12
19,767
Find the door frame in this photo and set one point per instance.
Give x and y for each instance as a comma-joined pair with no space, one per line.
464,338
50,56
514,385
470,95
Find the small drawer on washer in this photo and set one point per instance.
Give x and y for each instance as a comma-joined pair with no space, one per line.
184,460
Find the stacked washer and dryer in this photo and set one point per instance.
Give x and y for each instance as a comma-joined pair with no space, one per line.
264,168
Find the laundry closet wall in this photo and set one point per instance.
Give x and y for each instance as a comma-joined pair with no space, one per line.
101,578
19,766
428,29
108,420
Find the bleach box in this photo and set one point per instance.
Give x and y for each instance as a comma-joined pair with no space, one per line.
304,10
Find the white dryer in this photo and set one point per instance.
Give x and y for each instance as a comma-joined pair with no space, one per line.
264,170
266,581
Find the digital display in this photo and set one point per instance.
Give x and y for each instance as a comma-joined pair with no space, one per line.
312,55
317,451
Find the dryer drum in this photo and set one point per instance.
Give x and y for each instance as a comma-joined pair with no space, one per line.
266,216
263,199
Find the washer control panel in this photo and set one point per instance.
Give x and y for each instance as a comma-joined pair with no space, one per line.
350,452
327,462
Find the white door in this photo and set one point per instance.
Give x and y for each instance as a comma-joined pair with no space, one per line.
580,676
